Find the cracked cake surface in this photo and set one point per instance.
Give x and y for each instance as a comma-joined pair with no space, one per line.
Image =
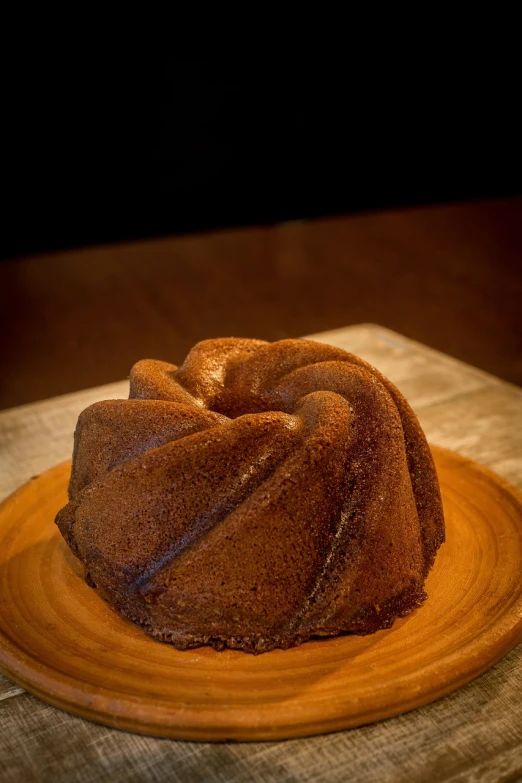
257,496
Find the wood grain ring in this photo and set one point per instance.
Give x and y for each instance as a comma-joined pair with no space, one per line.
65,645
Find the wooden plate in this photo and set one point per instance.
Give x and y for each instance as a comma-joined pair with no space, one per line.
64,644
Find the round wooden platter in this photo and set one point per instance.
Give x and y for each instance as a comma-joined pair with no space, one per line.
61,642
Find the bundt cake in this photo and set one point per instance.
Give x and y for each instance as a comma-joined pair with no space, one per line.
257,496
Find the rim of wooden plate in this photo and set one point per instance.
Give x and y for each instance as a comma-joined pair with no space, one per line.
62,643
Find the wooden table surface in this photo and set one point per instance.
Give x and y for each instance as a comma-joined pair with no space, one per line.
474,734
446,275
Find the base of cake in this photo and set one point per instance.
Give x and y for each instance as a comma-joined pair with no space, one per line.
367,621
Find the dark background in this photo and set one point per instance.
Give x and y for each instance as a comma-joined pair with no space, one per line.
101,155
143,212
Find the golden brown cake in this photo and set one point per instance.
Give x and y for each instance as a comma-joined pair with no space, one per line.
257,496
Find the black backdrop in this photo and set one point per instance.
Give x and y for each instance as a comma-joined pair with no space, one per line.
102,155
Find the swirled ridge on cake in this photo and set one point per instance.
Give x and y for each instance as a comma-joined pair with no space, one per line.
257,496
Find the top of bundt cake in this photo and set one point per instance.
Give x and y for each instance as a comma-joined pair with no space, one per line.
256,496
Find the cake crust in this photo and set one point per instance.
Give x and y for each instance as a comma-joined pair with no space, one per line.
258,496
